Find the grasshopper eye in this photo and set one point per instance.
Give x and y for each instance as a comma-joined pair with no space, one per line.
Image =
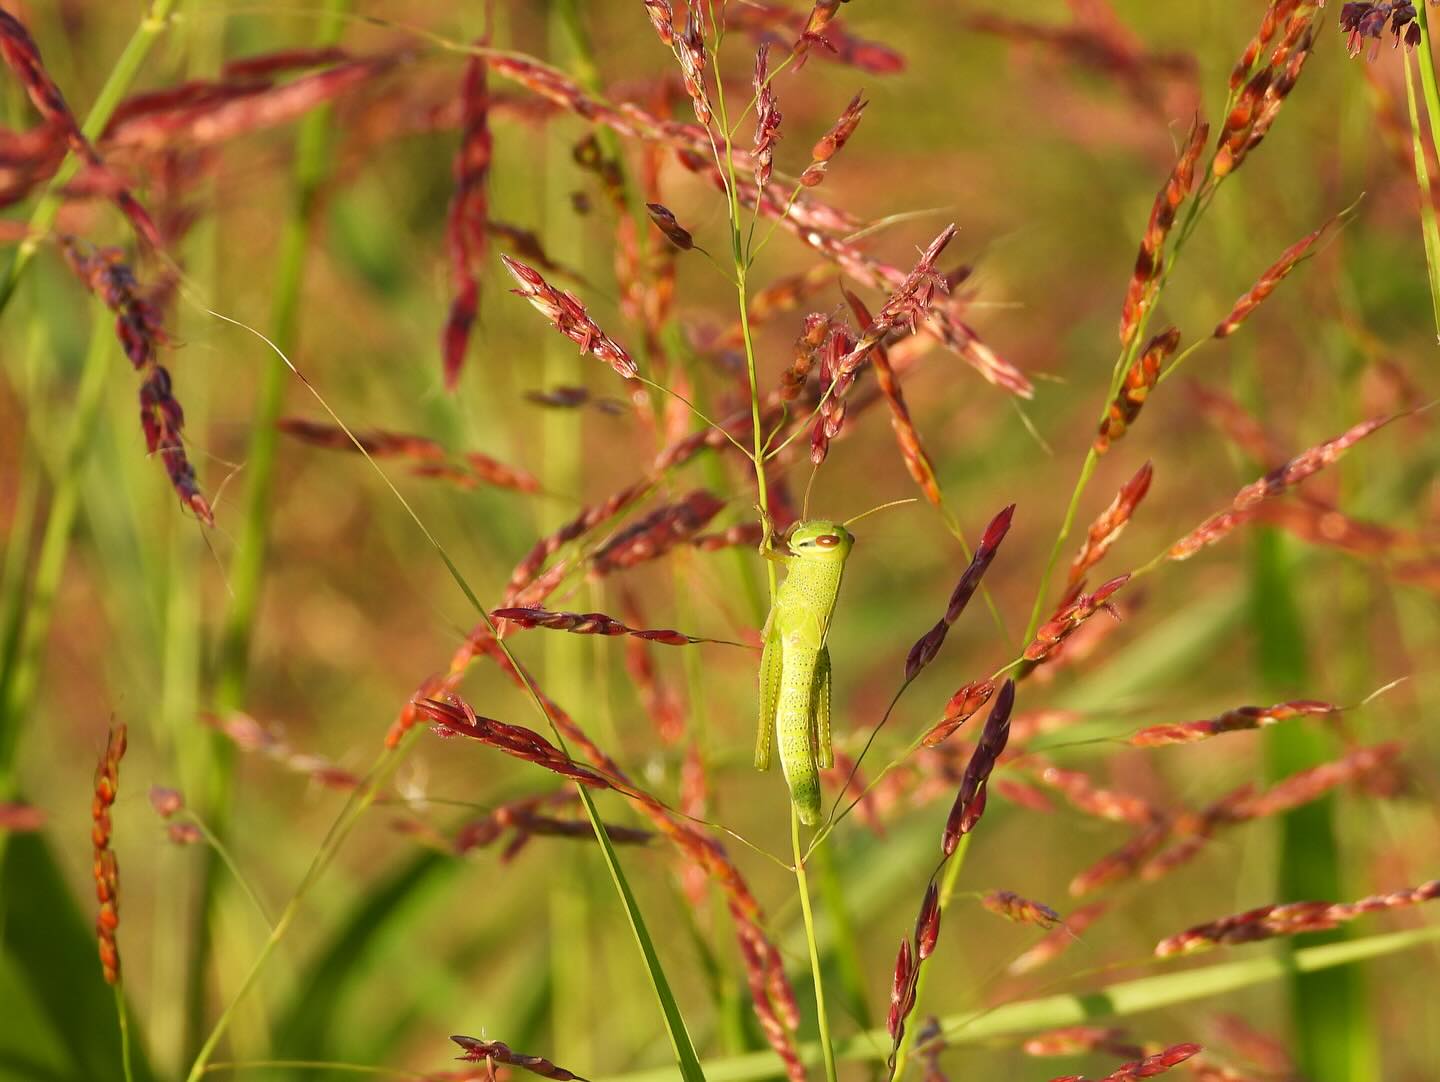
827,541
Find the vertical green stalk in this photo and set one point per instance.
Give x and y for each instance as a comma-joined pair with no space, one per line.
1426,196
126,1067
312,163
827,1048
116,84
1333,1036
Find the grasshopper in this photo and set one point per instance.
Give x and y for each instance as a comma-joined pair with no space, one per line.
795,664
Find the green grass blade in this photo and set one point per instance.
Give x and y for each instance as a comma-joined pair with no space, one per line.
50,946
1120,1000
1332,1032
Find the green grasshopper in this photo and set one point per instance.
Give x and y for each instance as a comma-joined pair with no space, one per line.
795,665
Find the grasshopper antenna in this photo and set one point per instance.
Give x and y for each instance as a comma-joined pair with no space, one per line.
881,507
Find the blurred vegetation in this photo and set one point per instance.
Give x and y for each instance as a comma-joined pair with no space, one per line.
316,607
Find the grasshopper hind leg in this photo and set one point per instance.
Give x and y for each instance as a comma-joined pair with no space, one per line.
824,751
770,669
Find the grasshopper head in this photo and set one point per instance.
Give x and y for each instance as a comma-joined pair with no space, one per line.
820,539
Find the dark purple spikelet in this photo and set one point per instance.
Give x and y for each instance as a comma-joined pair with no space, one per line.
478,1051
1369,20
969,803
665,221
925,650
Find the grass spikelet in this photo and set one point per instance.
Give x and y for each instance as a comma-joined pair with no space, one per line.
912,450
466,238
807,351
1295,918
674,232
481,469
662,704
1149,1067
1106,529
1235,422
963,705
1014,908
928,646
593,623
1271,278
493,1052
1086,796
1059,939
376,443
1150,262
251,736
1139,381
137,325
1272,484
22,56
106,871
20,818
833,141
588,519
1258,102
657,533
568,316
969,803
767,119
1239,719
1078,1040
1123,862
769,21
453,716
1053,633
1313,783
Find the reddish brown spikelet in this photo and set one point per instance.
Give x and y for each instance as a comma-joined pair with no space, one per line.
1258,103
970,800
912,450
22,56
1013,907
1267,283
768,21
466,238
455,717
1237,424
925,650
1295,918
263,65
767,119
1153,1066
1059,940
1150,262
1094,800
1272,484
664,707
1124,862
588,519
106,872
908,304
166,802
833,141
20,818
662,18
1139,381
807,351
927,924
665,222
493,472
589,623
478,1051
831,418
376,443
1069,619
963,705
689,48
137,325
1241,718
569,317
1106,529
657,533
814,30
1077,1040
